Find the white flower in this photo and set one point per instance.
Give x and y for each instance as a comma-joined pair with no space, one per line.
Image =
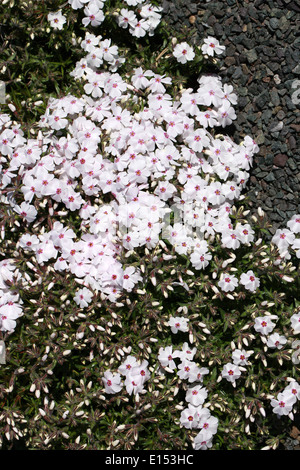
210,424
240,357
112,382
131,276
203,440
166,357
295,323
45,251
283,238
249,280
129,363
294,389
57,19
276,341
226,114
196,395
283,405
294,224
200,259
212,46
178,324
228,283
139,29
187,352
196,374
296,354
189,417
134,384
27,211
186,368
94,15
231,372
9,312
183,52
126,17
58,120
264,325
83,297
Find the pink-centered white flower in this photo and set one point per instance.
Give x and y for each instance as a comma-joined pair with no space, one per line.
209,423
83,297
197,140
166,357
200,259
112,382
276,341
178,324
127,18
295,323
8,320
264,325
228,283
293,388
139,29
187,352
196,395
283,238
57,20
183,52
250,281
231,372
127,365
294,224
283,404
189,417
240,357
131,276
58,120
203,440
212,46
94,14
27,211
186,368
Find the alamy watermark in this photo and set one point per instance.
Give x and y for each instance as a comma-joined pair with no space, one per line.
2,92
296,94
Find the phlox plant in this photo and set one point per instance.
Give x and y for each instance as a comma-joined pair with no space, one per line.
140,307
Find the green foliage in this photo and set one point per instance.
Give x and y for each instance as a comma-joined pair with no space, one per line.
51,392
52,396
36,60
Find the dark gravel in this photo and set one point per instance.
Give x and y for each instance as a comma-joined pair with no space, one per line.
262,62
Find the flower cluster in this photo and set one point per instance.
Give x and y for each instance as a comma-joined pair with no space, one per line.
143,18
163,158
286,239
196,415
136,375
143,21
134,165
264,326
229,282
10,301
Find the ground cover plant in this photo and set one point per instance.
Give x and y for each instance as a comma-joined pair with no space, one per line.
141,307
